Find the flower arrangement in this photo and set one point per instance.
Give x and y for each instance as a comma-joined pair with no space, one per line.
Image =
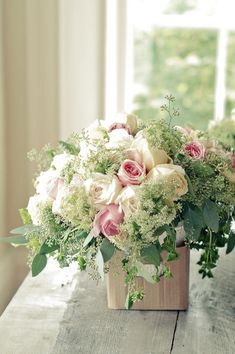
223,131
127,185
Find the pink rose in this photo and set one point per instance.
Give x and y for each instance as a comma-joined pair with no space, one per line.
195,150
131,173
119,126
107,221
233,161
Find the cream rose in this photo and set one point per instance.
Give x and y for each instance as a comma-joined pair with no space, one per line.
119,138
34,204
102,189
97,130
47,184
151,156
172,175
128,200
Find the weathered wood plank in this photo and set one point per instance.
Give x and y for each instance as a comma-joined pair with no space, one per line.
90,327
208,327
47,318
30,323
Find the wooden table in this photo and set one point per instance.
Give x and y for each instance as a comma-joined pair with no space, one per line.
60,312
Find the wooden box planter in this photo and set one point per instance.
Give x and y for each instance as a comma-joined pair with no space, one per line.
168,294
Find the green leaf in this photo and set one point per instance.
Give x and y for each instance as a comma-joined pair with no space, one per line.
38,264
81,262
190,187
193,222
172,256
211,216
129,302
88,239
22,230
45,248
16,240
107,249
71,148
151,254
231,243
100,264
25,217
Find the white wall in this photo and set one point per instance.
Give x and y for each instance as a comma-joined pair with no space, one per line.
81,48
52,68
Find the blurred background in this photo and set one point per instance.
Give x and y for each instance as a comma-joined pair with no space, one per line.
64,63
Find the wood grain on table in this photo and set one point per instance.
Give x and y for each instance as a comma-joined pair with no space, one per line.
62,312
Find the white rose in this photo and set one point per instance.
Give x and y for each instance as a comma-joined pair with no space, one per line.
86,149
60,161
97,130
34,204
128,200
151,156
170,174
119,138
102,189
47,184
63,192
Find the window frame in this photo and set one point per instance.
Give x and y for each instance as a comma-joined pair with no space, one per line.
121,18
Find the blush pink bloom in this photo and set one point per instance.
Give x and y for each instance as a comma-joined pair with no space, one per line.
119,126
131,173
195,150
107,221
233,161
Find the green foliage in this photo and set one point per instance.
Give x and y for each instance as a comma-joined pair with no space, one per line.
38,264
151,254
132,298
211,216
224,132
107,249
15,240
231,242
69,147
77,209
160,135
25,217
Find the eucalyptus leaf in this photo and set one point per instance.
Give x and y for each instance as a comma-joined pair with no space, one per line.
231,243
211,216
100,264
38,264
107,249
15,240
151,254
88,239
22,230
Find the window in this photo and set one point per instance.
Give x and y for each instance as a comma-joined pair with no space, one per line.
182,47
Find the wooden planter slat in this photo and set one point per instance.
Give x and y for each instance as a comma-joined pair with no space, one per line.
168,294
